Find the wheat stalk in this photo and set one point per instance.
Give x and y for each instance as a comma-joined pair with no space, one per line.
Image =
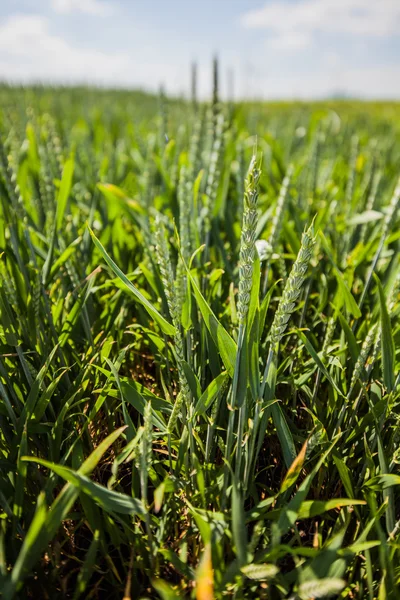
277,222
293,287
168,280
213,175
248,251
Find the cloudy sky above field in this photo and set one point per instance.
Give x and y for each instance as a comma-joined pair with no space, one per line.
276,48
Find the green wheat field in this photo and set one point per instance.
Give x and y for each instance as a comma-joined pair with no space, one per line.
199,323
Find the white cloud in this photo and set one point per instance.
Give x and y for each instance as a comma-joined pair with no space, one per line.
332,59
368,82
374,82
294,40
302,19
99,8
31,52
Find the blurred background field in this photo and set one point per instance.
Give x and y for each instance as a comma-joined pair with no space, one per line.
155,506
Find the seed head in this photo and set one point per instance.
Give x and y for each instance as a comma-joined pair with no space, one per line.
248,250
293,286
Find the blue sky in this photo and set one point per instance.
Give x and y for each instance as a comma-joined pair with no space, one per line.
276,48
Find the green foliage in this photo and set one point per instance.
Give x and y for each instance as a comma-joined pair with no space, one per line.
187,411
